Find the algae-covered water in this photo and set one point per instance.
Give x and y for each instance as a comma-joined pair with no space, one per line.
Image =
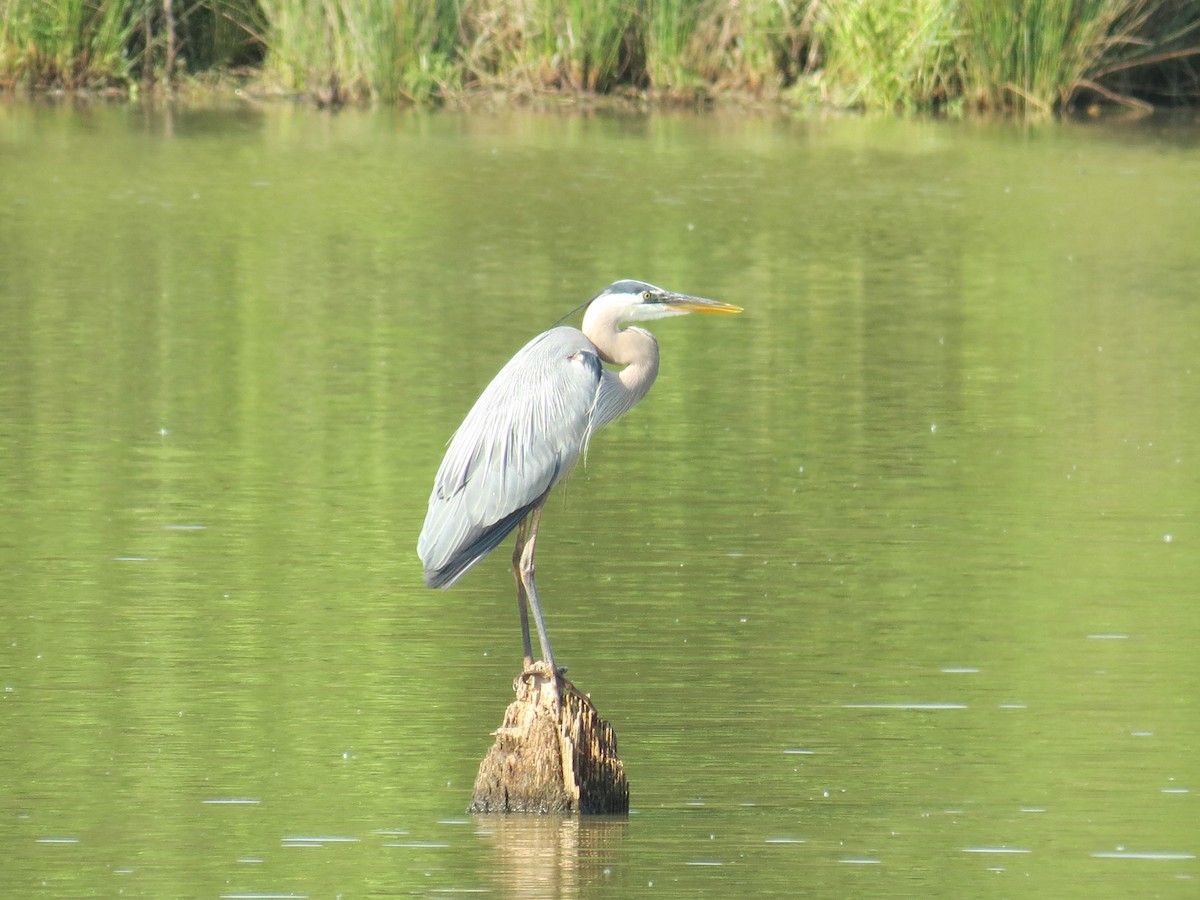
889,587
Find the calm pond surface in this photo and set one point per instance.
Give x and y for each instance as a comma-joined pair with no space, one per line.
889,587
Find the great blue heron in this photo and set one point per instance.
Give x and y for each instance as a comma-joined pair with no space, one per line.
529,427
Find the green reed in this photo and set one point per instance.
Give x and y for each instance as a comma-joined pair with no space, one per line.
876,54
884,56
1035,55
339,50
756,46
75,44
669,29
69,44
539,45
1037,52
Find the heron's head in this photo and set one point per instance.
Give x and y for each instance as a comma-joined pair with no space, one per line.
636,301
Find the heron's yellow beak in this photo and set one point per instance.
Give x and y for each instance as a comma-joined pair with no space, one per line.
701,305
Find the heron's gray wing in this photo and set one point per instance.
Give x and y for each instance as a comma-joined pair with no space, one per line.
523,434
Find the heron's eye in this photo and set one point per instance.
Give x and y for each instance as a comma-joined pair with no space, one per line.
647,296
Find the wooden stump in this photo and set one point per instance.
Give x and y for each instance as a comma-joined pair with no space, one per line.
553,754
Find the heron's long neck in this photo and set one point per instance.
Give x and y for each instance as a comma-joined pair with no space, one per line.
635,350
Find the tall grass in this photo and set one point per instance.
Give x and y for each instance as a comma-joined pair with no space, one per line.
1164,67
1044,53
759,46
881,54
594,43
67,44
1036,55
537,45
669,47
94,43
1034,52
338,50
890,55
669,29
427,43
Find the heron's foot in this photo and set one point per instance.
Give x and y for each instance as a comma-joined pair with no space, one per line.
542,668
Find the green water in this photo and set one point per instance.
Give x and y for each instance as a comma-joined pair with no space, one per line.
889,587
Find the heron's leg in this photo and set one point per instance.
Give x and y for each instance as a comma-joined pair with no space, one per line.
522,596
527,578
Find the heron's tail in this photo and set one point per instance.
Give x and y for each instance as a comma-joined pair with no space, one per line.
442,570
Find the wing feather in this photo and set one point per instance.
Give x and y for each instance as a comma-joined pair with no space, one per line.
523,435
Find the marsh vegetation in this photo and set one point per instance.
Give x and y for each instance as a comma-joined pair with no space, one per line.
885,54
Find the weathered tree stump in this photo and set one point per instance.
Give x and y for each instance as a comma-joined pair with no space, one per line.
553,754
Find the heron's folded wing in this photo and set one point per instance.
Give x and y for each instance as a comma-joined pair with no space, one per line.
523,434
